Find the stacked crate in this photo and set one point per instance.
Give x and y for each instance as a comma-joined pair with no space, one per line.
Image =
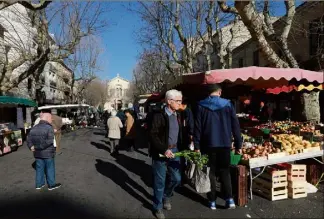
296,181
271,184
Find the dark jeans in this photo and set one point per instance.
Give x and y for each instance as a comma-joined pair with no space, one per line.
166,177
45,167
219,161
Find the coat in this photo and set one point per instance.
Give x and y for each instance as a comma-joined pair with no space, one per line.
114,125
41,136
159,134
130,127
215,124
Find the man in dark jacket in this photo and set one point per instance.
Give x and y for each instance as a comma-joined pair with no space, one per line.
41,142
165,134
215,124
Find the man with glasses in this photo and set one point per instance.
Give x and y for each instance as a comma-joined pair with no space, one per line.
165,139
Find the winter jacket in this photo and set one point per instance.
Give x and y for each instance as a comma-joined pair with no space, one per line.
215,124
159,134
41,137
114,125
187,122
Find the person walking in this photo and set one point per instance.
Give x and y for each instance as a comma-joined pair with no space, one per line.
41,141
57,124
215,124
165,138
130,131
114,125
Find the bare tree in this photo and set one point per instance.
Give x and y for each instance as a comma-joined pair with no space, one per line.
195,35
27,4
77,20
150,75
266,37
84,64
95,93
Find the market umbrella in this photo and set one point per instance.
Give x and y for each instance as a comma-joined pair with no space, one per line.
256,77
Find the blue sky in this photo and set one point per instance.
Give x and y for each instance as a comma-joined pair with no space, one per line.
121,50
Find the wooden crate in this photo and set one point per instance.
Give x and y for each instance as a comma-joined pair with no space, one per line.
296,189
273,179
297,172
272,185
273,194
239,180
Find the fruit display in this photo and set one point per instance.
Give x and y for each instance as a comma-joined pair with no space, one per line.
258,150
279,126
293,144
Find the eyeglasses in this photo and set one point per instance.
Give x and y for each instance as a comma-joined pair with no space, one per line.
177,101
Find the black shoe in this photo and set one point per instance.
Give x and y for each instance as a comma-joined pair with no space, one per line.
159,214
167,204
56,186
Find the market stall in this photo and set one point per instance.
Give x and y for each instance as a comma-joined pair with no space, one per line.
73,115
266,143
15,118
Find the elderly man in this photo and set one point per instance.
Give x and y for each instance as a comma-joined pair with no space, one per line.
215,124
41,142
165,133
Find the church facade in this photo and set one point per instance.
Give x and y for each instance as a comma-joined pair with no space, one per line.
118,93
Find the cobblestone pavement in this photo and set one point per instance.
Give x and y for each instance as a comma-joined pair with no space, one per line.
97,185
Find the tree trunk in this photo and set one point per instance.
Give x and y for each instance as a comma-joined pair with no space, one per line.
311,106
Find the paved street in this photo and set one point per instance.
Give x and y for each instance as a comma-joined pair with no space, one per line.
96,185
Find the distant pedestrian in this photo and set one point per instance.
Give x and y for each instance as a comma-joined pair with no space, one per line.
165,134
114,125
130,130
41,141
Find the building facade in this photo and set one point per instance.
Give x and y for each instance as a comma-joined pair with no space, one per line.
305,41
17,34
118,92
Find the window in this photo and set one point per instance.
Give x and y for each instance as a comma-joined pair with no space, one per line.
256,61
240,63
316,36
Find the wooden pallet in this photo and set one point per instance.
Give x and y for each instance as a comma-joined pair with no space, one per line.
296,189
297,172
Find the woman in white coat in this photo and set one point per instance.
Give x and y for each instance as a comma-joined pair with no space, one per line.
114,125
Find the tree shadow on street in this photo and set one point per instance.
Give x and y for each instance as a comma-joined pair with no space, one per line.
136,166
99,133
101,146
141,152
121,178
49,207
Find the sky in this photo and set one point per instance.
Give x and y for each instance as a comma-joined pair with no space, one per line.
120,48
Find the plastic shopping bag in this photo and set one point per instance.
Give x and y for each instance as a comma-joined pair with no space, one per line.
201,180
190,170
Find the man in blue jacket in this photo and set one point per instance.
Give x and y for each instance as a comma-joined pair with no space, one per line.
215,124
41,141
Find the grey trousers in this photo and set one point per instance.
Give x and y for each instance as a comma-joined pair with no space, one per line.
113,144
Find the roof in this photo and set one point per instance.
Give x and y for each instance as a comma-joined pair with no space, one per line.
117,77
8,100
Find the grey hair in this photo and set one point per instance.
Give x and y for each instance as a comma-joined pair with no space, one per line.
171,94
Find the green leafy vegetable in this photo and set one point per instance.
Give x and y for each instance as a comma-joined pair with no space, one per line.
195,157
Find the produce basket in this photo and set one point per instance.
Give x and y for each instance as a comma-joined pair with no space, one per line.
235,158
